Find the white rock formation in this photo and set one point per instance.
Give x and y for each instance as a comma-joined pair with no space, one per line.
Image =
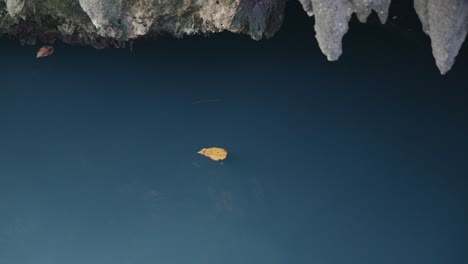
103,23
332,18
14,7
102,13
446,22
138,18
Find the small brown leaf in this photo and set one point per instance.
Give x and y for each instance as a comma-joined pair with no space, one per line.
45,51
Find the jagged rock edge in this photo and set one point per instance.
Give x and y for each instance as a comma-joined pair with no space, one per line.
104,23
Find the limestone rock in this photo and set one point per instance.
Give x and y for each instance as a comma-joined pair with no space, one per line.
102,12
138,18
363,9
14,7
113,23
332,18
331,24
446,22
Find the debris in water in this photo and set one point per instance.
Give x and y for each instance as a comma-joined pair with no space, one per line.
130,43
45,51
214,153
207,101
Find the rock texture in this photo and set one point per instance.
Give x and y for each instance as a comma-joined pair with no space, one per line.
446,22
14,7
103,23
112,23
332,18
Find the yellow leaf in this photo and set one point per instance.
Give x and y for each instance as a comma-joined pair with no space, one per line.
214,153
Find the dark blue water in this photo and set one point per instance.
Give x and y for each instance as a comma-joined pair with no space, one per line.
359,161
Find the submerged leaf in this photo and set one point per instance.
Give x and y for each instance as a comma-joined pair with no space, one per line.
214,153
45,51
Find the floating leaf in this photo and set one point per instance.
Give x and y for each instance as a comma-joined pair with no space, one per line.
214,153
45,51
